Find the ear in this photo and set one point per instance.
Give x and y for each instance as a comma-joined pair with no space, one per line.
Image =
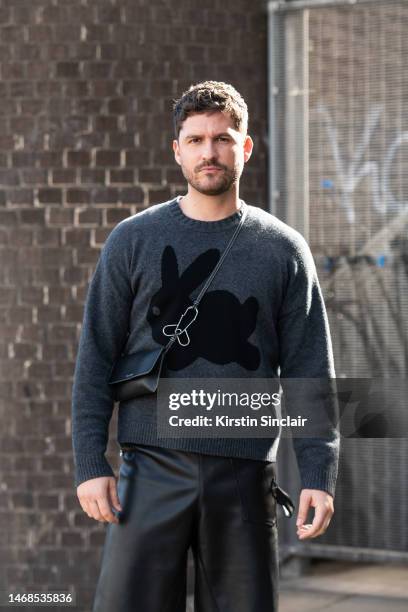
248,146
176,150
169,268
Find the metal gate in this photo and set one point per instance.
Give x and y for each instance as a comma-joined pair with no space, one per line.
338,94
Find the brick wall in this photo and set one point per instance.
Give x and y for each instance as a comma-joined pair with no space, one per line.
85,140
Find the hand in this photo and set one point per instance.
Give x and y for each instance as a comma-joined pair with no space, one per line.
96,497
324,510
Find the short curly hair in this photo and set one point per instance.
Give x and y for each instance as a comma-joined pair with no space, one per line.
211,96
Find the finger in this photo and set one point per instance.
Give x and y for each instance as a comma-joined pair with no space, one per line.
94,511
84,505
106,512
305,532
302,531
326,524
87,509
113,493
317,524
304,503
326,521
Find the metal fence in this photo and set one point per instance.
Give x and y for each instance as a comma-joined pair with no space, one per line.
338,93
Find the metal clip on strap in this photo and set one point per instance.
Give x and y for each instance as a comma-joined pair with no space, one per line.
283,499
177,330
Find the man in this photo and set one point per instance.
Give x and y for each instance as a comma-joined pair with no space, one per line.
264,316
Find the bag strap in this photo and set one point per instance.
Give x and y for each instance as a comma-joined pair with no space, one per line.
177,329
221,260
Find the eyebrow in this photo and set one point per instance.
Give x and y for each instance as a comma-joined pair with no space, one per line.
200,135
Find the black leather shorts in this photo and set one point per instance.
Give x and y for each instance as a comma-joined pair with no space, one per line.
222,507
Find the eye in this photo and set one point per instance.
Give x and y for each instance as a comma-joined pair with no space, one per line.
223,138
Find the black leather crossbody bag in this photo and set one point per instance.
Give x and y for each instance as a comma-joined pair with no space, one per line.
139,373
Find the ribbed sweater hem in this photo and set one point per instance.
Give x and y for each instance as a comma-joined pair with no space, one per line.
249,448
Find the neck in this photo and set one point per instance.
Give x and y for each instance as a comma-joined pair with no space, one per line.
209,208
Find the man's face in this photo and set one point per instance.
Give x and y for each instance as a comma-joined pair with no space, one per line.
211,152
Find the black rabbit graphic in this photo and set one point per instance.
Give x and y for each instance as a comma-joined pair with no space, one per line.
221,331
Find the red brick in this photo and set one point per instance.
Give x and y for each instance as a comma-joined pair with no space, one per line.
78,196
114,215
50,196
32,215
121,176
107,158
78,158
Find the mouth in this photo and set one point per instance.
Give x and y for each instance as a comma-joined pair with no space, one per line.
210,169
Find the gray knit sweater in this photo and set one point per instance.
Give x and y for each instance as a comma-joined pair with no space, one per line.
263,316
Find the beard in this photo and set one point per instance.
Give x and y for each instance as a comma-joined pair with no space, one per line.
212,184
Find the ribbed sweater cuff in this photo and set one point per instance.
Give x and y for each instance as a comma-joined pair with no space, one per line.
91,466
322,479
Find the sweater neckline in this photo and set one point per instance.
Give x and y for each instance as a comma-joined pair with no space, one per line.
205,226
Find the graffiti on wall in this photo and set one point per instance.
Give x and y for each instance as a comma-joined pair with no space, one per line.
366,286
350,173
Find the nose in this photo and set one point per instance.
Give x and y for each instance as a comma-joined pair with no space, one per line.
208,151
